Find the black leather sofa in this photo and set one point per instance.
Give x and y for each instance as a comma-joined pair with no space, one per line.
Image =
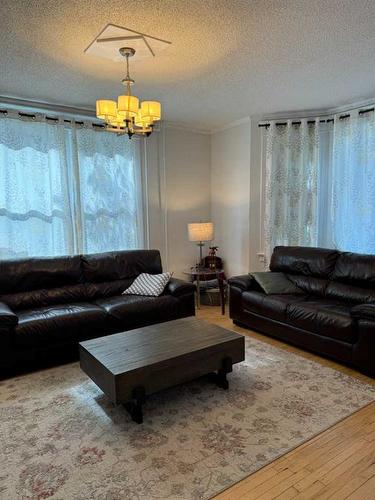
335,315
48,305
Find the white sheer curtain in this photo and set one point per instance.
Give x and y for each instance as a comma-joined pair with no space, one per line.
292,160
66,190
109,188
320,184
351,207
35,210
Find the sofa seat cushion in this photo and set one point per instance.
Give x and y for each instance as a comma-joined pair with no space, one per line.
324,317
336,322
272,306
59,324
131,311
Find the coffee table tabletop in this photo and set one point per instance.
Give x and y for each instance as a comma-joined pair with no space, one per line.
128,366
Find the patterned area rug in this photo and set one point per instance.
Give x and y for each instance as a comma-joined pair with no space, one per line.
61,438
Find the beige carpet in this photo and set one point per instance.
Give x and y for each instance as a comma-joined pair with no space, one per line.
61,438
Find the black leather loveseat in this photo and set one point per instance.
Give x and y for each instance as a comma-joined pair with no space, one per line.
335,315
48,305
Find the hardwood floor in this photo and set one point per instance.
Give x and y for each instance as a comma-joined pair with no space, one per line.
337,464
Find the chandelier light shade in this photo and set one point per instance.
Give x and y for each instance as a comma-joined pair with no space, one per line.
151,110
142,121
117,122
128,116
127,106
106,110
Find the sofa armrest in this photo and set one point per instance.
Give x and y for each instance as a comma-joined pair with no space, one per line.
178,287
7,317
364,348
363,311
244,282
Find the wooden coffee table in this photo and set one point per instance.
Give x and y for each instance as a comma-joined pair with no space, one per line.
130,365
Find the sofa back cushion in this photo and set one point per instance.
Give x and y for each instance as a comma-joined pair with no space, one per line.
22,275
353,279
309,285
349,293
34,282
305,261
355,269
107,288
124,265
46,296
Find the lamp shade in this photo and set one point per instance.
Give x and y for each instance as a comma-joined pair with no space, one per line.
201,231
127,106
105,109
151,110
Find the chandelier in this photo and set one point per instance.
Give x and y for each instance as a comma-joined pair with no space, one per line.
126,116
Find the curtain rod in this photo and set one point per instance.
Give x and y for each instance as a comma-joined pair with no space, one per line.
55,119
328,120
33,116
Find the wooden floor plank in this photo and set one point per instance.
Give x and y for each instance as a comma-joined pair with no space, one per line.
338,464
346,484
364,492
331,464
358,462
259,491
288,494
282,486
312,492
262,476
370,438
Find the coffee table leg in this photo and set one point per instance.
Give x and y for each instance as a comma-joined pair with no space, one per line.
226,368
134,407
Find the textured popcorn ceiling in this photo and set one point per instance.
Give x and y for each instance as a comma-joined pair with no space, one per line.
228,59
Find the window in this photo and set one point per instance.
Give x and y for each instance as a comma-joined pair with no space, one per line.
320,183
66,190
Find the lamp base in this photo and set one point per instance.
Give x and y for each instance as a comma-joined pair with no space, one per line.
200,244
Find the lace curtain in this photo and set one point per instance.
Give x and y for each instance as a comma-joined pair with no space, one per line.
351,208
66,190
320,184
110,191
292,158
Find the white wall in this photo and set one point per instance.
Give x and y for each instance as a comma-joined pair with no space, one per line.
187,166
230,191
236,195
256,215
194,177
178,174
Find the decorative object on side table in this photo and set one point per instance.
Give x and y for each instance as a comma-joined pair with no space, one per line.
212,261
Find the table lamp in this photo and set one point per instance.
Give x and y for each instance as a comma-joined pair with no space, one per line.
201,232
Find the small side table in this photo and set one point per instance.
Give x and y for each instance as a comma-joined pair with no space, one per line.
206,274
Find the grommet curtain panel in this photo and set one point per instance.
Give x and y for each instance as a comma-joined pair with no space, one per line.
320,184
292,159
351,211
66,190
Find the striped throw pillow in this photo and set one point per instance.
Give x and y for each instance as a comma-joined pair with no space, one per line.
148,284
